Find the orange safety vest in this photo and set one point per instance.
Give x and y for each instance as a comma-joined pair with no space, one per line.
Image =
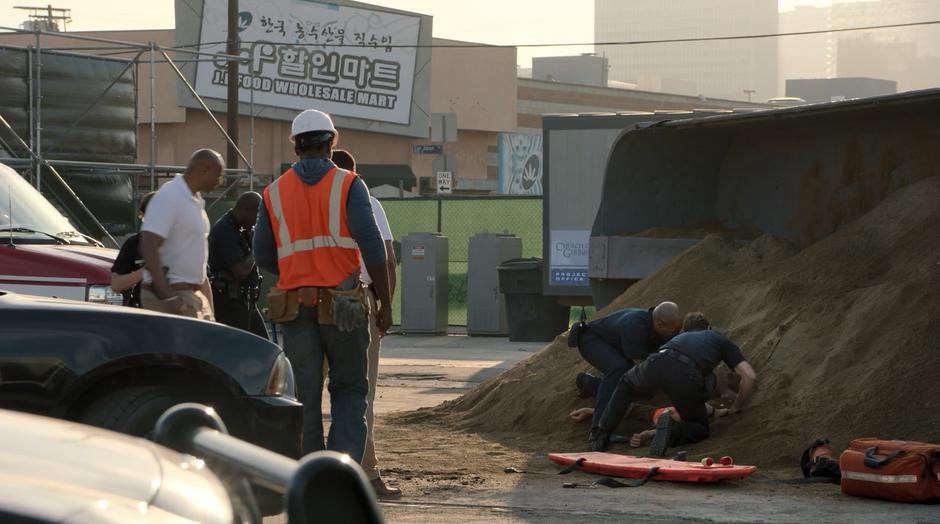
314,245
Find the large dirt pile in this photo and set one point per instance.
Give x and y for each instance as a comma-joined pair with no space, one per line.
845,337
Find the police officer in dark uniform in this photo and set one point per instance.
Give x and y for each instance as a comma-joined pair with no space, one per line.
236,282
615,343
679,369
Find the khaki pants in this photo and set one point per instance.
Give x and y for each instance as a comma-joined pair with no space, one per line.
195,303
369,463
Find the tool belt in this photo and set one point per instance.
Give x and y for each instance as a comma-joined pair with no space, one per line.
226,286
344,308
896,470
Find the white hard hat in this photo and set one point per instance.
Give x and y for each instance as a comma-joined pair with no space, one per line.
311,120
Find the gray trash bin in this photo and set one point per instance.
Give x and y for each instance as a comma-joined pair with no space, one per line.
533,317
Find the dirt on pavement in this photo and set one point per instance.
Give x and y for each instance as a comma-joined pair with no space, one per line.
843,337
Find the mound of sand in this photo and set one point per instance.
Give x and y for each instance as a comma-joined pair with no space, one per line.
844,335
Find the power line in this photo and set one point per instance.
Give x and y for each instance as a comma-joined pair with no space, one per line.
612,43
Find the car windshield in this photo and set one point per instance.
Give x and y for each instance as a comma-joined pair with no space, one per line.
26,214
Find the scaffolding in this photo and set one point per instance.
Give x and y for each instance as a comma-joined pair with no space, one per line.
153,54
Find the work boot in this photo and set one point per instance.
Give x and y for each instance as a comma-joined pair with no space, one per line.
384,492
667,431
586,384
601,440
612,438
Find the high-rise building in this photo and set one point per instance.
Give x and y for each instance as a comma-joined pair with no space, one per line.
735,69
908,56
806,56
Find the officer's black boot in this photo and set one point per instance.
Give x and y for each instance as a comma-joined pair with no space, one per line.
600,439
667,433
586,384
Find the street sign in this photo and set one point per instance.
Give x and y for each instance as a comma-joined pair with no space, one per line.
445,180
427,149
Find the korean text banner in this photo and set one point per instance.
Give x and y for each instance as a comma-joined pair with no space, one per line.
309,55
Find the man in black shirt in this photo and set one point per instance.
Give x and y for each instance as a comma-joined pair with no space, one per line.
678,369
128,268
236,282
615,343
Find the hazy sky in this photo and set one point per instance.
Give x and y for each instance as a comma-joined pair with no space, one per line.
487,21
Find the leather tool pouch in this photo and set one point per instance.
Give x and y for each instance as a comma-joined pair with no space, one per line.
325,311
283,305
345,309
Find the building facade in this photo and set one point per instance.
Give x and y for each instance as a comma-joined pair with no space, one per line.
909,56
730,69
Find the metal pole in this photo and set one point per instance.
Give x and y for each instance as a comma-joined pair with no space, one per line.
135,190
38,145
114,166
135,45
32,109
251,129
205,108
231,111
440,215
153,123
233,185
136,178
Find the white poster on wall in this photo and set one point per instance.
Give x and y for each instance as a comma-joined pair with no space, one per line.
568,264
520,164
303,54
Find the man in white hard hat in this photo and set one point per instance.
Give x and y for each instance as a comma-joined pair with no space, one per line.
313,223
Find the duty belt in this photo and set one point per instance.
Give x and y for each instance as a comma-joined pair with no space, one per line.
681,357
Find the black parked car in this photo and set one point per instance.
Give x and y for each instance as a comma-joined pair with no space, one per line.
120,368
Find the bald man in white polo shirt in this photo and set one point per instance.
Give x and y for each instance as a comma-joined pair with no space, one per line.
174,241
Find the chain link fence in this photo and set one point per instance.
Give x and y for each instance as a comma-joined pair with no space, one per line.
459,218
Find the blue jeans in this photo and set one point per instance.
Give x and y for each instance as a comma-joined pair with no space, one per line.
305,344
610,361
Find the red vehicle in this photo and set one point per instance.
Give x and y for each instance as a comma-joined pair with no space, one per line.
41,252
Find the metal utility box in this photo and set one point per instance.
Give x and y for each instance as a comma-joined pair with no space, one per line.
486,306
424,283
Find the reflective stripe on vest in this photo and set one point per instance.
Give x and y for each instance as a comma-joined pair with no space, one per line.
286,247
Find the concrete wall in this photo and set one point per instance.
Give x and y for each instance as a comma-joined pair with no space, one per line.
476,83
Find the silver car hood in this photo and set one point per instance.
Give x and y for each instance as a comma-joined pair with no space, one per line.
66,472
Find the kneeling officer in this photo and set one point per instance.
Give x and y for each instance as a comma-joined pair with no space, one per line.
236,282
679,370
